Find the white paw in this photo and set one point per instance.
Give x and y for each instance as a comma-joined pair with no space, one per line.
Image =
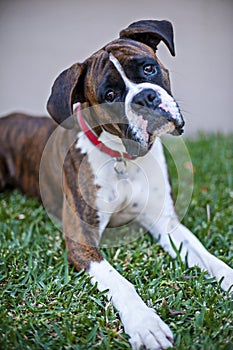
146,329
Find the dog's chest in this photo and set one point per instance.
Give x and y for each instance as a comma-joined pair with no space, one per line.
124,190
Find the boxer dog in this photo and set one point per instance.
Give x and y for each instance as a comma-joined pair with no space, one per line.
114,170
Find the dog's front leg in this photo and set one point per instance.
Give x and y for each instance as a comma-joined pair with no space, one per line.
195,253
83,225
141,323
165,226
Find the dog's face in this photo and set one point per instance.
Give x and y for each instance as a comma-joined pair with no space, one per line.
128,87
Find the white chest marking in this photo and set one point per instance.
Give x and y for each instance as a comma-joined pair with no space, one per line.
120,199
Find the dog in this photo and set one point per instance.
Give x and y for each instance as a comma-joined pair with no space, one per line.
105,165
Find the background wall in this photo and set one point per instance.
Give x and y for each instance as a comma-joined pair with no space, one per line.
38,39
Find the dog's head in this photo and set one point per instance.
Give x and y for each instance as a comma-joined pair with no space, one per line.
127,85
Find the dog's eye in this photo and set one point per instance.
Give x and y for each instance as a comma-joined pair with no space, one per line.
110,96
149,69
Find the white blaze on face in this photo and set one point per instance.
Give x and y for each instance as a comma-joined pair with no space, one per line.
136,122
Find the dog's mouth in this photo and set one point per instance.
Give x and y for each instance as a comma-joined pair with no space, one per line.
148,124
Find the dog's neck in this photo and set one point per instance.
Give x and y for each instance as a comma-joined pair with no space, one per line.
106,142
112,141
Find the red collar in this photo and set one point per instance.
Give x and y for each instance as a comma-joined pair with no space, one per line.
95,141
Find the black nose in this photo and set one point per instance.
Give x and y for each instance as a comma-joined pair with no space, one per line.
147,98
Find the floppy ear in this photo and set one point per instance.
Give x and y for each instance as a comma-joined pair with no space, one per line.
67,90
151,32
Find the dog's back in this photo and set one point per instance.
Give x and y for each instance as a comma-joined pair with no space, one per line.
20,154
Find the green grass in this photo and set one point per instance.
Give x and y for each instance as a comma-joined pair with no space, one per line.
45,304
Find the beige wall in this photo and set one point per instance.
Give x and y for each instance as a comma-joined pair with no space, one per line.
39,38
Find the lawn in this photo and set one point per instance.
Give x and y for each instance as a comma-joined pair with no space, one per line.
45,304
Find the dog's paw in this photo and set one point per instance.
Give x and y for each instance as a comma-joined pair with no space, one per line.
147,330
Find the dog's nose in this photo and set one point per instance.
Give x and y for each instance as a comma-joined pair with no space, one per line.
147,98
